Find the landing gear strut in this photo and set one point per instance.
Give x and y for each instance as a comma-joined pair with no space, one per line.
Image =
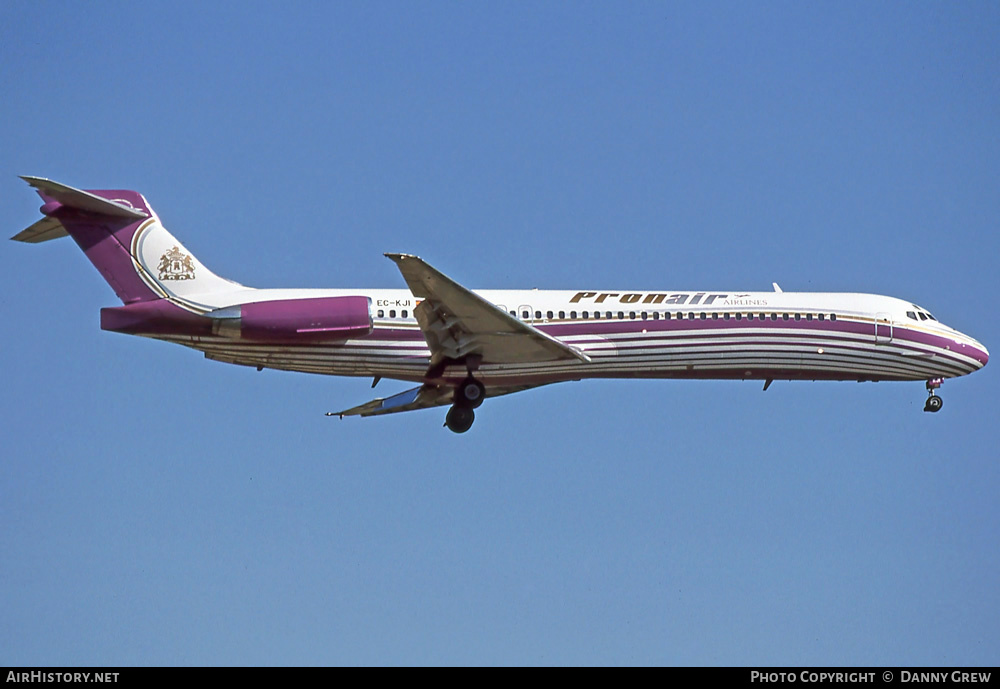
468,396
934,403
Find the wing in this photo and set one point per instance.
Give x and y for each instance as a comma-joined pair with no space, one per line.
423,397
457,323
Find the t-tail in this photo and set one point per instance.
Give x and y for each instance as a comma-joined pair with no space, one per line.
165,291
124,239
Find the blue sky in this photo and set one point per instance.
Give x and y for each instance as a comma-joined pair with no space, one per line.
158,508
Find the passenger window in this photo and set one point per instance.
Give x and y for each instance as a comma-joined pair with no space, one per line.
621,315
784,316
644,315
833,316
381,313
586,314
538,315
405,313
739,316
572,314
392,313
809,316
703,316
562,315
822,317
715,316
798,316
774,316
525,315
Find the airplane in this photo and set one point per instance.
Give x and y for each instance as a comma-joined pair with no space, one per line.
462,346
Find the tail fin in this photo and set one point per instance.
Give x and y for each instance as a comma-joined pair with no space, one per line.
123,238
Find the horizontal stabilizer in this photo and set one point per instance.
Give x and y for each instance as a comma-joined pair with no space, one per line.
57,196
42,231
83,200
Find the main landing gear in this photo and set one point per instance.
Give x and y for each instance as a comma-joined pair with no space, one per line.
468,396
934,403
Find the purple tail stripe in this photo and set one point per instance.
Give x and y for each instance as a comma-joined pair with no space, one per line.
106,240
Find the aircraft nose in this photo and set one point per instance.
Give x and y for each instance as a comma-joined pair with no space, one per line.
979,353
973,349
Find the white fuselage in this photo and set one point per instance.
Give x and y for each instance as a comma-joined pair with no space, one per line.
463,345
640,334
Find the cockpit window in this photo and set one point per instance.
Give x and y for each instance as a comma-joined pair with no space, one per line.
923,316
911,314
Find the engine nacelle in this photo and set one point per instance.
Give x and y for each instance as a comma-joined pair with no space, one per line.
296,320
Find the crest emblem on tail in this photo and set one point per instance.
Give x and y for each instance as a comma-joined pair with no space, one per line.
176,265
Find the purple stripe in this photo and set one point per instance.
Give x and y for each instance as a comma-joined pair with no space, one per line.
665,351
158,317
106,241
872,350
100,238
628,326
942,343
752,340
673,349
864,332
855,363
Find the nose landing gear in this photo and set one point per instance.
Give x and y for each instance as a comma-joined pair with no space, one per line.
934,403
468,396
